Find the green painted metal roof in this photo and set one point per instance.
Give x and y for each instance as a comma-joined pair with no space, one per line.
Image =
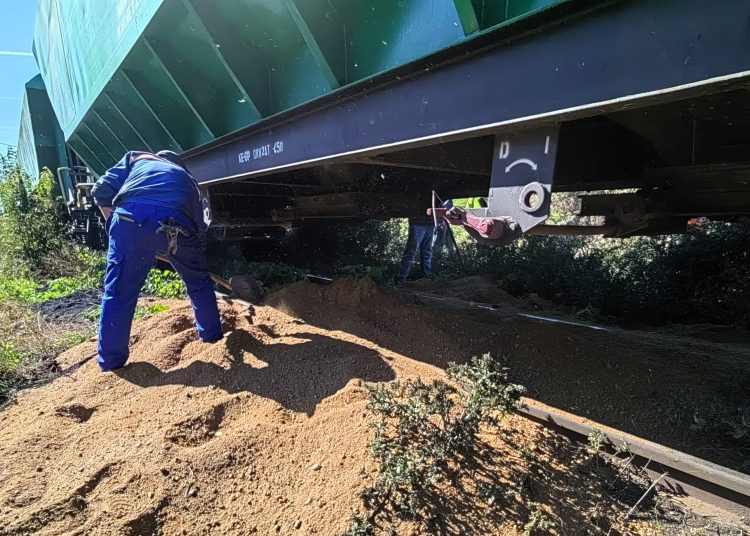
154,74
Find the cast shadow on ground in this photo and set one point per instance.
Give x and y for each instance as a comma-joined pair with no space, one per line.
616,377
502,482
297,376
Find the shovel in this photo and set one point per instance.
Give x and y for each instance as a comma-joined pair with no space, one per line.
241,286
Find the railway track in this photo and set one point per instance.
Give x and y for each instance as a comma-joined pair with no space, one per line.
712,490
716,490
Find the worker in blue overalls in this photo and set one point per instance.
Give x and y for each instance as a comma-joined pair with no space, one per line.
420,238
151,205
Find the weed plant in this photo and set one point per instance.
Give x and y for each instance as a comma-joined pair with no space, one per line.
425,436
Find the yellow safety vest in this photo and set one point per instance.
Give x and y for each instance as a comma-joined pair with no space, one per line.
468,202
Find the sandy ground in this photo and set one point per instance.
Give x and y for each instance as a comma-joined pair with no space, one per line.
266,432
649,383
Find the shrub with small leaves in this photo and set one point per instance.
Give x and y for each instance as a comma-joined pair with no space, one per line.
538,522
426,434
623,449
596,440
727,418
359,526
494,493
376,273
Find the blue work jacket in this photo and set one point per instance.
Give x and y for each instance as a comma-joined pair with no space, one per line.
144,178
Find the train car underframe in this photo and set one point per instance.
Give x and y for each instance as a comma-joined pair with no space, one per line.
645,171
650,97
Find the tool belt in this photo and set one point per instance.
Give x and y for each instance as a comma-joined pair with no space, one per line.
172,230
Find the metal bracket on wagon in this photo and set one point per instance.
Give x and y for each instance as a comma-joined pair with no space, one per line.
523,168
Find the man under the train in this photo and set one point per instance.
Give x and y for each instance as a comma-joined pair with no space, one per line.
151,205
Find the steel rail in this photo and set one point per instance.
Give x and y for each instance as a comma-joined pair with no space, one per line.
686,475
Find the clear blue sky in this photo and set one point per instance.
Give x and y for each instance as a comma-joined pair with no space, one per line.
16,35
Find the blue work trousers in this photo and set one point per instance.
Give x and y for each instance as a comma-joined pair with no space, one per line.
133,245
420,238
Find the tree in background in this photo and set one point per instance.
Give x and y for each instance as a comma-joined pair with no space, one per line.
33,236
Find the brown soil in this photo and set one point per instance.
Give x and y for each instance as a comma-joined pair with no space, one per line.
266,432
647,383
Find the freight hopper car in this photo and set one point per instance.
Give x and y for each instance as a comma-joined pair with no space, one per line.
295,111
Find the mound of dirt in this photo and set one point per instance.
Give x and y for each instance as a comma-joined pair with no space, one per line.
648,383
195,438
266,432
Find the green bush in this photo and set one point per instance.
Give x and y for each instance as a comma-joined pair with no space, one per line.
273,275
702,276
32,226
326,247
164,284
270,275
427,434
376,273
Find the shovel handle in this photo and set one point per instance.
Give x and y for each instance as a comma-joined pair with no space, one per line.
215,278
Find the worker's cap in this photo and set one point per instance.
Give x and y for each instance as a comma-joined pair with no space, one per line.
173,157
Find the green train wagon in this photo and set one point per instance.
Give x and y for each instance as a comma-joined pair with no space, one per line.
177,74
291,111
40,141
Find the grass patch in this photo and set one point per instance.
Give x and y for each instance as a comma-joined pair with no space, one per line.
28,291
84,270
67,286
18,290
164,284
145,311
28,350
